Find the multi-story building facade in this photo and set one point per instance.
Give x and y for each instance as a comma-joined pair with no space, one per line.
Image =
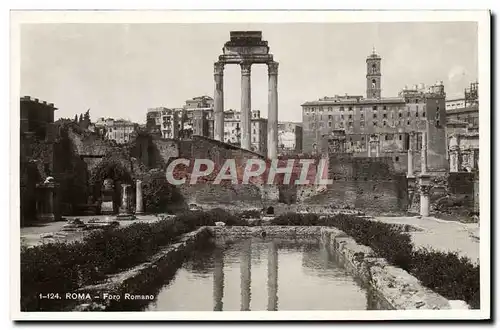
389,120
290,137
37,117
258,132
119,130
464,110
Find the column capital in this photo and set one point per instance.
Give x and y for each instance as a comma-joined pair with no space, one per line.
246,67
272,67
219,68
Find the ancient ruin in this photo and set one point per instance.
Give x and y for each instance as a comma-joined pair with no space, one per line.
246,48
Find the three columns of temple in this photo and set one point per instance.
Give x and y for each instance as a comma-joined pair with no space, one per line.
246,106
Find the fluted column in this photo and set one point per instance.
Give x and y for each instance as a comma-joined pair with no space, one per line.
246,105
219,101
272,277
245,273
218,280
272,117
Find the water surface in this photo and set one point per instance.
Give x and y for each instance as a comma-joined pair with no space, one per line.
262,274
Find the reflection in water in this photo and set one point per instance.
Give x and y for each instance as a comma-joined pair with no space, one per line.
309,279
246,273
218,279
272,277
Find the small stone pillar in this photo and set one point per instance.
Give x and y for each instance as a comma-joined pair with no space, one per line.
47,205
125,204
425,188
107,194
139,205
410,163
423,162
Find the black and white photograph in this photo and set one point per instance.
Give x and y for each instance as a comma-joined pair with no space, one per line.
176,165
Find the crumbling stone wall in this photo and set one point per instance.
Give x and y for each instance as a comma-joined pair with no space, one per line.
362,183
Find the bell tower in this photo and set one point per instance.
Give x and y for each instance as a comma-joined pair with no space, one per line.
373,76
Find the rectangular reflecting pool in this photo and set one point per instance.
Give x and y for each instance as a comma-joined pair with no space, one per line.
262,274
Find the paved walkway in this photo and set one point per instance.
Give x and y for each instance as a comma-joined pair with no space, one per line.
442,235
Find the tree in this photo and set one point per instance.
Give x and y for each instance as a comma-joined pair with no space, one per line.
86,117
76,119
81,119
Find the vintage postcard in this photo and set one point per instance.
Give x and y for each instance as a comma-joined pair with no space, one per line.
321,165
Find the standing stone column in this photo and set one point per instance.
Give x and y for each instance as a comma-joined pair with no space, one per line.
219,101
272,120
218,279
272,277
125,207
245,272
410,163
246,105
124,213
424,199
139,205
423,162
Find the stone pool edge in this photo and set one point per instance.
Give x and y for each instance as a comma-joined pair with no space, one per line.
397,288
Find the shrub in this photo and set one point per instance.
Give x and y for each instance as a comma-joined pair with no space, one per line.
158,193
454,277
296,219
65,267
448,274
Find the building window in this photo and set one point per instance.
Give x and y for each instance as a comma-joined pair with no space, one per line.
350,108
416,107
350,124
254,139
350,116
423,114
341,108
374,107
374,115
362,116
329,117
408,123
329,108
374,123
400,115
342,117
385,123
385,107
329,124
386,137
361,124
400,137
416,114
385,115
397,158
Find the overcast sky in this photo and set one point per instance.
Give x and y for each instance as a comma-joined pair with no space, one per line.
120,70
